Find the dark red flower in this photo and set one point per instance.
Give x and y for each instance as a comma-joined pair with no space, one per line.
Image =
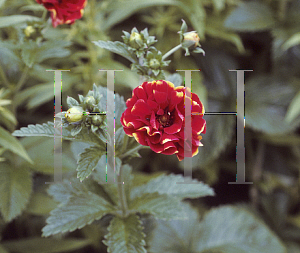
64,11
155,117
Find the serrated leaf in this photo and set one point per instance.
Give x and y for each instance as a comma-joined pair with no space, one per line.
88,161
250,16
232,230
160,206
125,235
45,245
167,184
15,188
117,47
176,236
227,229
78,212
16,19
48,130
294,109
11,143
72,102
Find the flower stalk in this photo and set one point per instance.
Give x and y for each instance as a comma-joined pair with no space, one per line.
173,50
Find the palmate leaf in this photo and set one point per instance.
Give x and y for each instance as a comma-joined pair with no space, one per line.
15,189
160,206
79,211
125,235
168,185
118,48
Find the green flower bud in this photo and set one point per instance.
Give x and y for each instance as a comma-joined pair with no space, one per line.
90,101
97,120
136,40
74,114
154,64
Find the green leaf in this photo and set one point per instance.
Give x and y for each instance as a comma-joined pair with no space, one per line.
53,49
250,16
40,204
16,19
76,213
117,47
88,161
176,79
11,143
119,139
227,229
168,185
235,230
125,235
45,245
125,9
15,188
292,41
266,101
2,2
176,236
72,102
2,249
160,206
294,109
29,53
48,130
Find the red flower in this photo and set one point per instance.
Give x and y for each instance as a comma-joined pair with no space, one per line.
64,11
155,117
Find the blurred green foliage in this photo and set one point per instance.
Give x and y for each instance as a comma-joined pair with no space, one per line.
262,35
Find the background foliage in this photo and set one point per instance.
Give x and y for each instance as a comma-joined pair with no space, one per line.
260,35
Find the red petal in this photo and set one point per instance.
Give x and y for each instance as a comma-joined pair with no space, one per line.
140,109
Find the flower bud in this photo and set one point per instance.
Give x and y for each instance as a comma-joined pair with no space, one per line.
29,30
90,101
135,40
190,39
97,120
74,114
154,64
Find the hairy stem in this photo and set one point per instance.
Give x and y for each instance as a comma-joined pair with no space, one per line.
171,51
122,195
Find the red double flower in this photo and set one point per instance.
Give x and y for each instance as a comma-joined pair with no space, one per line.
155,117
64,11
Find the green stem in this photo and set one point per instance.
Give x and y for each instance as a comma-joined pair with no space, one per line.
171,51
22,80
122,196
3,75
130,152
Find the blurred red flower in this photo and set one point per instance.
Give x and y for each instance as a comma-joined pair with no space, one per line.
155,117
64,11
